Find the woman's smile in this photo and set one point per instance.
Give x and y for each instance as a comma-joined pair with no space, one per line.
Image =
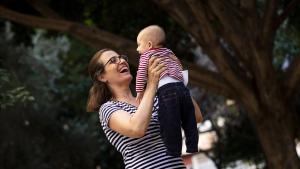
123,68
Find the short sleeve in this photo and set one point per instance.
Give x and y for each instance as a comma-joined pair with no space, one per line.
105,112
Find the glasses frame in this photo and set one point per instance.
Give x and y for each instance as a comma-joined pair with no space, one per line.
124,57
119,57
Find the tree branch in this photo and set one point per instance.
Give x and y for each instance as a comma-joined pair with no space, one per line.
214,49
99,39
212,81
289,8
210,42
249,13
181,13
266,36
293,77
208,79
225,12
43,9
201,17
269,17
261,51
92,36
232,30
249,9
191,19
249,5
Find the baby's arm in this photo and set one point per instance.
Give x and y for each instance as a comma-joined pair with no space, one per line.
141,77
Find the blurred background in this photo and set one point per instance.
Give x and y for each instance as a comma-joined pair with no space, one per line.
243,59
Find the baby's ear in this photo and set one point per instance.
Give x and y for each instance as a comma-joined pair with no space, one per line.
150,44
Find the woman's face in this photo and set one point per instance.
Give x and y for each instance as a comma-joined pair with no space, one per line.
116,70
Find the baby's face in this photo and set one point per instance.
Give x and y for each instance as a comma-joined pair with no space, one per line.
143,44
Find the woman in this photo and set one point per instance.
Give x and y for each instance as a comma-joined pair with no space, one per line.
133,129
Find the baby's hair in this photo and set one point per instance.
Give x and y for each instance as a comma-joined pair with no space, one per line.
155,34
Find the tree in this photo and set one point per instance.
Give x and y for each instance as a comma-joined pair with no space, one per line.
238,36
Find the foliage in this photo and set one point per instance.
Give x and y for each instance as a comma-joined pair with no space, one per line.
237,138
286,45
12,92
11,96
53,130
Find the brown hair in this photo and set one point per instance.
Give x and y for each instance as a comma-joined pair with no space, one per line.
99,93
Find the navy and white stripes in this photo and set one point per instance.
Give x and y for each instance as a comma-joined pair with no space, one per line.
147,152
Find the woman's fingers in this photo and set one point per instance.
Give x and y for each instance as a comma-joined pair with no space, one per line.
159,68
173,57
156,67
151,60
154,61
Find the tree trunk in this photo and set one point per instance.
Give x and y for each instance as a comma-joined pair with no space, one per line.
277,141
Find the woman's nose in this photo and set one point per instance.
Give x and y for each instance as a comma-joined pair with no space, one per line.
121,60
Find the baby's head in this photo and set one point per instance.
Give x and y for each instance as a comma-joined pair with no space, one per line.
152,36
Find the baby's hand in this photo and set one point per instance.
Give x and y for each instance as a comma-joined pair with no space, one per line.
139,97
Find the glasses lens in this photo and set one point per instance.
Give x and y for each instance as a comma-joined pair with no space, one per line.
124,57
117,59
114,60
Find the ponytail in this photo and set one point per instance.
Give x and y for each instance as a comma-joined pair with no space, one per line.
99,93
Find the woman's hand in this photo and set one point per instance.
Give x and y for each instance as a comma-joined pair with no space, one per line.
198,114
173,57
155,68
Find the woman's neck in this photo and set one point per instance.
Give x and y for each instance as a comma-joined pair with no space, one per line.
123,95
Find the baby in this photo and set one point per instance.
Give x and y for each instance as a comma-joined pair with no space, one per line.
176,109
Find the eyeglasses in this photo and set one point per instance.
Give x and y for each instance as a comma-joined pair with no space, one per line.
112,60
116,59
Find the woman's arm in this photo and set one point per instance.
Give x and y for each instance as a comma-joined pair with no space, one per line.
198,113
135,125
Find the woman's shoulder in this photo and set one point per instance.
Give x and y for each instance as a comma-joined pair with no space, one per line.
108,108
108,105
106,111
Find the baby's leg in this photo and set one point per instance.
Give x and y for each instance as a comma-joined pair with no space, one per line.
169,119
189,123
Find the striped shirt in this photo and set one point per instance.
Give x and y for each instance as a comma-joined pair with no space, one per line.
147,152
173,68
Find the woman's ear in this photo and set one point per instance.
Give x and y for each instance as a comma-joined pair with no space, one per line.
102,78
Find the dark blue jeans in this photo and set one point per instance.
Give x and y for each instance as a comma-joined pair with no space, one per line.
176,110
